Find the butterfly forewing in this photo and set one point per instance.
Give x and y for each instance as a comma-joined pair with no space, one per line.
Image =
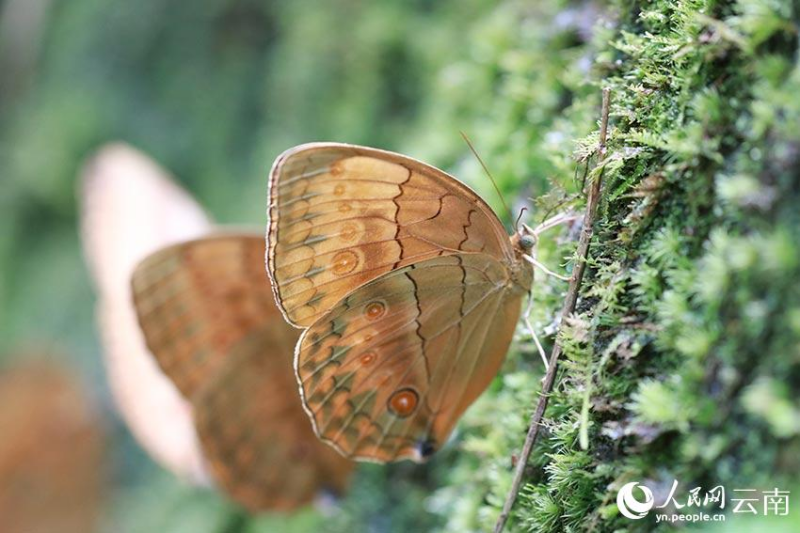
342,215
130,208
257,440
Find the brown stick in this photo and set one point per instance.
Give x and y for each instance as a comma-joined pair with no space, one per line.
568,308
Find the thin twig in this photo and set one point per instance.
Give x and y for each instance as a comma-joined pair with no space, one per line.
568,308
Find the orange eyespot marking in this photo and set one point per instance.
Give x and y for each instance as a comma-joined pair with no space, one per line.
344,262
403,402
338,190
336,168
367,338
349,232
344,207
375,310
368,358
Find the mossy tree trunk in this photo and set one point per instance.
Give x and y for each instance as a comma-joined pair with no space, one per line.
683,359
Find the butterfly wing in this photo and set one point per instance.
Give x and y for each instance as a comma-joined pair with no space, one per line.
207,312
52,454
258,441
130,207
343,215
198,299
387,372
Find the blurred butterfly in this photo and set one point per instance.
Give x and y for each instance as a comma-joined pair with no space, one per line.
406,285
208,315
52,456
206,312
130,207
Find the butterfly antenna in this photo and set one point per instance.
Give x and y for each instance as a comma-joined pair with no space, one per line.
519,217
486,169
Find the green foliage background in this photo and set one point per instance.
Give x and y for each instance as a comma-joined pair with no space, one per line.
683,361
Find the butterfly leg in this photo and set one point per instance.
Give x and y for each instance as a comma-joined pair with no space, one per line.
555,220
534,336
543,268
538,344
561,218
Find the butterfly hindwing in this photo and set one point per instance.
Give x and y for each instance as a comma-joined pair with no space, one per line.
387,372
257,439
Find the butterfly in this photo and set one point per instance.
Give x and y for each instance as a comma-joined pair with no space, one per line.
131,207
406,285
206,309
52,454
192,304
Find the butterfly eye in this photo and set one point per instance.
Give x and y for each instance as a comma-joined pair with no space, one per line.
403,402
526,242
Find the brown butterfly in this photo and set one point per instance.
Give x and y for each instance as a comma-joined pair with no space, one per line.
130,207
52,451
408,289
208,315
209,321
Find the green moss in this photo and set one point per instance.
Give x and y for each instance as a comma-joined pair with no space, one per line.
682,362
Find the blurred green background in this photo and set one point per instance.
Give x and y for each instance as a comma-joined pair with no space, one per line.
213,90
684,362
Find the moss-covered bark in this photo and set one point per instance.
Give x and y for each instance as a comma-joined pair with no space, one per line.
683,360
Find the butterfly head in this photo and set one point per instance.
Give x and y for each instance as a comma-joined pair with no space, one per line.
425,448
524,239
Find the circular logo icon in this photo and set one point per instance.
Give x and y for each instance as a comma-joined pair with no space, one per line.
629,506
